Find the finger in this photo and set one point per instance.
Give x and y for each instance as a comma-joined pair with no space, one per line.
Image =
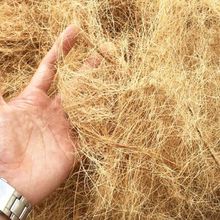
45,74
96,58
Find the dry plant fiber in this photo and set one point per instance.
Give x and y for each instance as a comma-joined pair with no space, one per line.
148,125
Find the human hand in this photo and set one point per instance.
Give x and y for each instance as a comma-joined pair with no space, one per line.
36,149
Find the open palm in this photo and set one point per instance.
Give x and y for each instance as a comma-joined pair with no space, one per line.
36,150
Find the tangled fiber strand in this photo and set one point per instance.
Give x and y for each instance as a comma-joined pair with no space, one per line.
148,125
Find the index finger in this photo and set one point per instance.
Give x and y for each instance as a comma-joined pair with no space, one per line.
46,71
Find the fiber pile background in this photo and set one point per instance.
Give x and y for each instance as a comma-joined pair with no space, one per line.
148,126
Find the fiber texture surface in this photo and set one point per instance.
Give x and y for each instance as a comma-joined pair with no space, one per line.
148,124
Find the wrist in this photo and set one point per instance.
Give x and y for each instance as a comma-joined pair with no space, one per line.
12,203
21,187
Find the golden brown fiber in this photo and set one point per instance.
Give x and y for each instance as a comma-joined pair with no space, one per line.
148,124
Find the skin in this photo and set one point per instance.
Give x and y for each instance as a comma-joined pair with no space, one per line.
36,149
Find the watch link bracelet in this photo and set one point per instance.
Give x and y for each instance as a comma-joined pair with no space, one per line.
13,204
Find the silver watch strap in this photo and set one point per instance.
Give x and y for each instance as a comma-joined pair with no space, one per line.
14,205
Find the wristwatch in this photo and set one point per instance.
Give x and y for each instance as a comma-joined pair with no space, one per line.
12,203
